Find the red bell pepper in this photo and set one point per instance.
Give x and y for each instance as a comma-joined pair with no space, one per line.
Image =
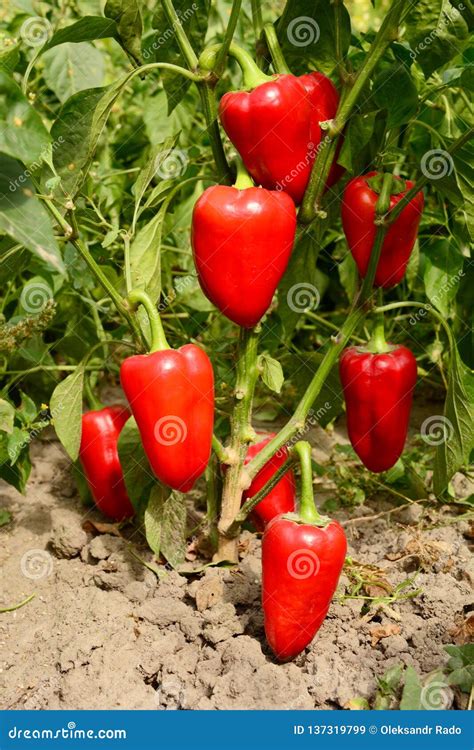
275,126
171,395
302,558
378,391
100,460
358,215
242,239
281,499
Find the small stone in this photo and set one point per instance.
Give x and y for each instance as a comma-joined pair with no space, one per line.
68,537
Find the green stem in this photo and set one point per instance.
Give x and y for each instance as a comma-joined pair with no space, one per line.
251,73
181,37
307,509
242,434
386,34
158,338
253,501
378,343
229,35
212,499
91,398
126,262
219,450
209,105
420,305
338,6
381,208
243,179
17,606
278,59
256,17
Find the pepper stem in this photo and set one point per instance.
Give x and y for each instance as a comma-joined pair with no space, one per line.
243,179
378,343
278,60
308,512
158,338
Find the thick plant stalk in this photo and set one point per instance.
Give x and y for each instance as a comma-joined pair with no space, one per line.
242,434
296,424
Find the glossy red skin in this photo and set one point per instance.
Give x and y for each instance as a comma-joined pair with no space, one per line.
275,128
378,390
242,242
281,499
358,214
301,565
171,395
100,460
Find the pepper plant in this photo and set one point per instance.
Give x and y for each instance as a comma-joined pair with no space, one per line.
171,184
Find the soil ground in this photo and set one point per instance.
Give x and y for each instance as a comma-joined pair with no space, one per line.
105,632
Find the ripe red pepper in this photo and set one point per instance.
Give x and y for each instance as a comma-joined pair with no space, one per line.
281,499
242,239
275,126
100,460
378,390
302,559
171,395
358,214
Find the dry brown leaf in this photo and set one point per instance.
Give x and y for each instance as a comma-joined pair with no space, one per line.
383,631
97,527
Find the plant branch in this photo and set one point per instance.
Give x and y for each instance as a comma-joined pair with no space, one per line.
242,434
279,63
229,35
387,33
181,36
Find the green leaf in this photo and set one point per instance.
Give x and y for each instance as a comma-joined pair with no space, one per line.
147,174
73,67
458,424
461,666
349,276
9,58
7,415
356,136
127,15
71,133
271,372
85,30
22,133
66,410
411,695
436,31
443,271
165,524
395,92
5,517
18,474
23,217
163,47
139,478
16,443
307,34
